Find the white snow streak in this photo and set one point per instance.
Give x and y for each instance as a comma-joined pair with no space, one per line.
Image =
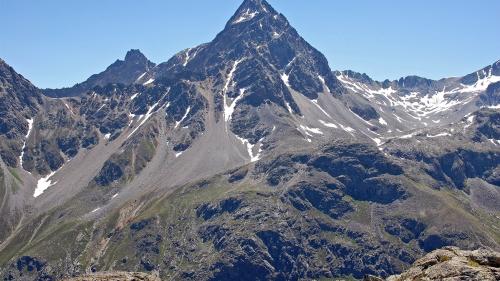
288,107
151,80
145,118
315,102
284,78
329,125
377,141
30,127
312,130
347,128
229,80
139,78
188,57
247,15
134,96
250,148
494,141
493,106
324,84
408,136
228,110
438,135
183,117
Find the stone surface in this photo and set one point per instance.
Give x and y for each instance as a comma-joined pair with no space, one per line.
451,263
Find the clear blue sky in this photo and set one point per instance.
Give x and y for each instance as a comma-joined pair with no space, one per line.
57,43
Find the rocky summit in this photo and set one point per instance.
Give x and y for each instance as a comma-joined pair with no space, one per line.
248,158
452,263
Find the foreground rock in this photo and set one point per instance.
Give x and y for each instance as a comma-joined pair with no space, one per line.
115,276
451,263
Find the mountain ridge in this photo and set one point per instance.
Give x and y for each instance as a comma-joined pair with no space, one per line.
246,158
121,71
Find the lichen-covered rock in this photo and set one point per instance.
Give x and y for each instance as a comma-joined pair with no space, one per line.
115,276
451,263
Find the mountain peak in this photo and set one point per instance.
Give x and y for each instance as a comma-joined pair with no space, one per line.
124,72
135,55
251,9
257,5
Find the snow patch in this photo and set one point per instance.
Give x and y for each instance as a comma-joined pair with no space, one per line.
329,125
438,135
229,110
470,121
377,141
230,75
408,136
493,106
151,80
183,117
382,121
188,57
101,107
30,127
229,79
140,76
415,102
145,118
250,148
494,141
481,85
324,84
246,16
308,130
315,102
43,184
288,107
134,96
131,116
284,78
347,129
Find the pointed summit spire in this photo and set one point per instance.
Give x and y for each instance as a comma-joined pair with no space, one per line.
135,55
258,5
251,9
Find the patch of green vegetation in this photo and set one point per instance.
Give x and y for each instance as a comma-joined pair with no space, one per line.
14,186
14,173
2,186
473,263
18,241
443,258
361,213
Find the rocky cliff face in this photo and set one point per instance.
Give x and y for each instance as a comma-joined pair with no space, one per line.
115,276
451,263
19,102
